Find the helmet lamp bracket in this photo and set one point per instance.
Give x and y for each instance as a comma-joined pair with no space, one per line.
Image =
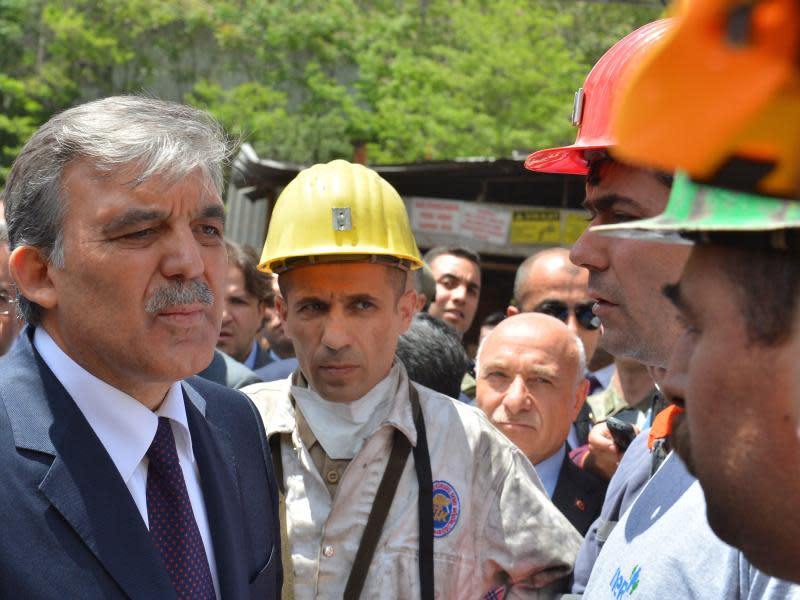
342,220
577,108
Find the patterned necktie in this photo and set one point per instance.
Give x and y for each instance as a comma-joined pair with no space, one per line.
172,525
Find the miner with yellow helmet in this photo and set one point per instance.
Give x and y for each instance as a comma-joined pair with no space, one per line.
390,489
726,89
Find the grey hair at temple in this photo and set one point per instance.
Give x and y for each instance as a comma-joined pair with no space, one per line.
143,136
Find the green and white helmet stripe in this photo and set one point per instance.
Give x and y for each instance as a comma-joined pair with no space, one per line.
695,208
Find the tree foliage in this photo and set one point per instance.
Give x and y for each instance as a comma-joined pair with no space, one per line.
303,80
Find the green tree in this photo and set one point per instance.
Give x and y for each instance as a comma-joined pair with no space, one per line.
302,80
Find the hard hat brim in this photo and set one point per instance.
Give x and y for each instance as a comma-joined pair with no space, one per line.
283,264
568,160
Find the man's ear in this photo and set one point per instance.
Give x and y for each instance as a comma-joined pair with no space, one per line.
512,310
31,273
407,307
580,397
281,307
422,300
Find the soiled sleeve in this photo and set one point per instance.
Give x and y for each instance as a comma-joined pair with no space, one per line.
524,534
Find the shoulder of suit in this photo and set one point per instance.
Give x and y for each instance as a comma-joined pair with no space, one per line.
221,402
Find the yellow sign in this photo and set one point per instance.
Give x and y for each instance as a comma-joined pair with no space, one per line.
575,223
536,227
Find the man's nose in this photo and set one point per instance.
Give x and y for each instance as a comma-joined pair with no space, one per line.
517,398
226,314
590,251
182,256
675,381
458,294
336,334
572,321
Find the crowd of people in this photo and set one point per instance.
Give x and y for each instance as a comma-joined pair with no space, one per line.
183,417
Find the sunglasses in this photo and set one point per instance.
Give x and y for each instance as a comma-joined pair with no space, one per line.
560,310
7,302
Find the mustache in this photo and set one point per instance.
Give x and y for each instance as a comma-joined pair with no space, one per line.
176,293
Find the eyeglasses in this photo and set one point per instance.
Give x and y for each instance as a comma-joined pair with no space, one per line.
7,303
560,310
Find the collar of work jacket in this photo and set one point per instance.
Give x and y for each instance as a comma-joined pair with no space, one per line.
282,417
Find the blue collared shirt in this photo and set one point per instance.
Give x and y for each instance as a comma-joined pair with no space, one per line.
549,469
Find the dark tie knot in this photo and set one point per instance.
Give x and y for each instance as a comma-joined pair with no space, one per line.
163,454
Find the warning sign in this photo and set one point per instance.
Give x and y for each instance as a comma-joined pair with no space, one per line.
435,216
536,227
574,223
485,224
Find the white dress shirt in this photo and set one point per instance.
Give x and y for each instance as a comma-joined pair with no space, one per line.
126,428
549,469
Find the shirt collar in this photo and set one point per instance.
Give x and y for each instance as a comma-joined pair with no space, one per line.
604,375
250,361
125,426
281,418
549,469
342,428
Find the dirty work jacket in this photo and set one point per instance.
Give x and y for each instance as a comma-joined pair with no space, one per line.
493,523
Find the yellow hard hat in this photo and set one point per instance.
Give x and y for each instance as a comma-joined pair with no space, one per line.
720,97
338,212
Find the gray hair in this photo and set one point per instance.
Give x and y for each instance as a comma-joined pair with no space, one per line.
151,137
576,341
3,232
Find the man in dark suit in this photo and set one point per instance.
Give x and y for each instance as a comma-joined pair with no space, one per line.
122,478
281,361
9,324
228,372
246,293
531,385
547,282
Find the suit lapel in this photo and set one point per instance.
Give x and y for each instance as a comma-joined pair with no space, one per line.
578,495
565,493
82,484
216,462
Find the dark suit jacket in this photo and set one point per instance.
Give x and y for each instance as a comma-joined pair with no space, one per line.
278,369
263,357
70,528
229,372
578,495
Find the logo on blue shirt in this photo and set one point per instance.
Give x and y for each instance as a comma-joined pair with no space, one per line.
621,586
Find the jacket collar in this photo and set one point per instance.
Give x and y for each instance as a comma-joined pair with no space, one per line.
280,417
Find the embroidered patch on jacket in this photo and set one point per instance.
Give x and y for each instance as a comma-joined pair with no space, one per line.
446,508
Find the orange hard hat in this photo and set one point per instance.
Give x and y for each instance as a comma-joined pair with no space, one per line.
591,112
720,98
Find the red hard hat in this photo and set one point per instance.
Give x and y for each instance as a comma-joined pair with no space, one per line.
593,102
